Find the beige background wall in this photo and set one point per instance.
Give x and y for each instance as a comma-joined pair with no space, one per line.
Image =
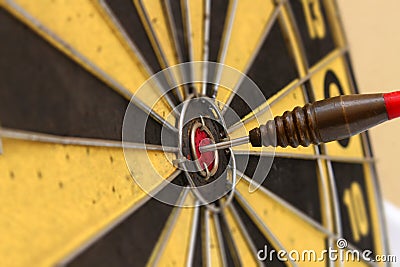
373,31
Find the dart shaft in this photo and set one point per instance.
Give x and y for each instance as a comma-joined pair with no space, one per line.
327,120
323,121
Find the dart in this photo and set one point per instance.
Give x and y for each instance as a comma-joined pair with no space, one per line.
323,121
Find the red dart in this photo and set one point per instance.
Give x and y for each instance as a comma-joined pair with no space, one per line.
323,121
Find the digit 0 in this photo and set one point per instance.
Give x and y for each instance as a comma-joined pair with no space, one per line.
354,201
314,19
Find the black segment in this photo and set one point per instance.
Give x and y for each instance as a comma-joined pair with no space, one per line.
44,91
239,108
348,176
218,19
181,180
218,12
176,11
179,26
318,47
273,69
294,180
153,133
131,242
129,18
257,237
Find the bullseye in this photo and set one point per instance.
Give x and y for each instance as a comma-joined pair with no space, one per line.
207,162
201,138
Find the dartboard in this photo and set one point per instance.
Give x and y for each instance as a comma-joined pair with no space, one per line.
104,105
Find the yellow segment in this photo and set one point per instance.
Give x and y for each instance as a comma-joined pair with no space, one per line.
325,195
163,36
248,28
246,253
215,242
354,149
278,107
55,197
196,14
149,169
179,236
83,27
284,224
196,20
158,21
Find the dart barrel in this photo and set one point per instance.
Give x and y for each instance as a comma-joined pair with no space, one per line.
324,121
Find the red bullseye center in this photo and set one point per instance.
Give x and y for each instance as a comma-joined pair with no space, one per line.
202,138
